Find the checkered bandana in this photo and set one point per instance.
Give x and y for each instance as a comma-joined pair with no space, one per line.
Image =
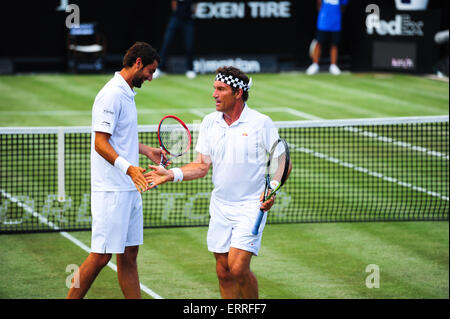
234,82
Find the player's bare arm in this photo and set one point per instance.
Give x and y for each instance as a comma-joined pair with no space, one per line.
152,153
104,148
194,170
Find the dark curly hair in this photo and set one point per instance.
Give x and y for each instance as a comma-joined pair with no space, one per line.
140,50
235,72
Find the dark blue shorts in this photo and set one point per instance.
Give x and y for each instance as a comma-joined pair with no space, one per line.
328,37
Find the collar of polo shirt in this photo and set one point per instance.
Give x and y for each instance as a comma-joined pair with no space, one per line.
130,92
242,118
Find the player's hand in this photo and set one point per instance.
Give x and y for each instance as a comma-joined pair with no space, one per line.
137,175
154,154
166,164
159,175
267,205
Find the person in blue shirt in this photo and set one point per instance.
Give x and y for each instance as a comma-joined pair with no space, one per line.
329,22
180,20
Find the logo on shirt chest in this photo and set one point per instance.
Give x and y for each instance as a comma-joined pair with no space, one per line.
237,147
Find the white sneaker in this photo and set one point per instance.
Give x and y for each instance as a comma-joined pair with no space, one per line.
191,74
158,73
312,69
334,69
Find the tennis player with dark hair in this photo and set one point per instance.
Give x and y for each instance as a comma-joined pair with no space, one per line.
234,140
116,178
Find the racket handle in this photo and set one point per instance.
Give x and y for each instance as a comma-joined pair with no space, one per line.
258,222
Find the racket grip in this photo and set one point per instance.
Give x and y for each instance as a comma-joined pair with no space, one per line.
258,222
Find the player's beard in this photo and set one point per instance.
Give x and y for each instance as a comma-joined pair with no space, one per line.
138,79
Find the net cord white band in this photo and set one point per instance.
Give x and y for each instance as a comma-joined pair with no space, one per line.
284,124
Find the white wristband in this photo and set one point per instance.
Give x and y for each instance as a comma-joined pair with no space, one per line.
122,164
274,184
177,174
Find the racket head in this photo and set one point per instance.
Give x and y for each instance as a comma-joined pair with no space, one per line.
277,167
174,136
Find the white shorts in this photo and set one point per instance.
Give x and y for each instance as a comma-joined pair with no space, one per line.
231,226
117,221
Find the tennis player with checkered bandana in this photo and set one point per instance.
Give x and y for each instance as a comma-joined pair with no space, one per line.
234,140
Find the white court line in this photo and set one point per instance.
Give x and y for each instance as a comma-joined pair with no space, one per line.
368,172
395,142
45,113
45,221
365,94
199,112
362,132
300,113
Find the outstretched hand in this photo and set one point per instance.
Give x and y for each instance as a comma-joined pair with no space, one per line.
136,174
154,154
158,176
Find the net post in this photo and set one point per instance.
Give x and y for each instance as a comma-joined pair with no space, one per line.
61,165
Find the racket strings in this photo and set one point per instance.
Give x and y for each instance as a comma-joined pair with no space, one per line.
174,137
277,164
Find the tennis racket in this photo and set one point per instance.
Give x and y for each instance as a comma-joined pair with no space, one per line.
174,137
276,174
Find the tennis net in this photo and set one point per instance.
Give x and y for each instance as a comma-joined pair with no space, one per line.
343,170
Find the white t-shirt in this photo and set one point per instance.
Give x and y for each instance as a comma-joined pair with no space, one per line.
114,112
238,153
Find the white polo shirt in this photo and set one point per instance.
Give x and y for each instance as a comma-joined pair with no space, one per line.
238,153
114,112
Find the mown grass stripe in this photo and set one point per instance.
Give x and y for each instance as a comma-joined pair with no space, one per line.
380,96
